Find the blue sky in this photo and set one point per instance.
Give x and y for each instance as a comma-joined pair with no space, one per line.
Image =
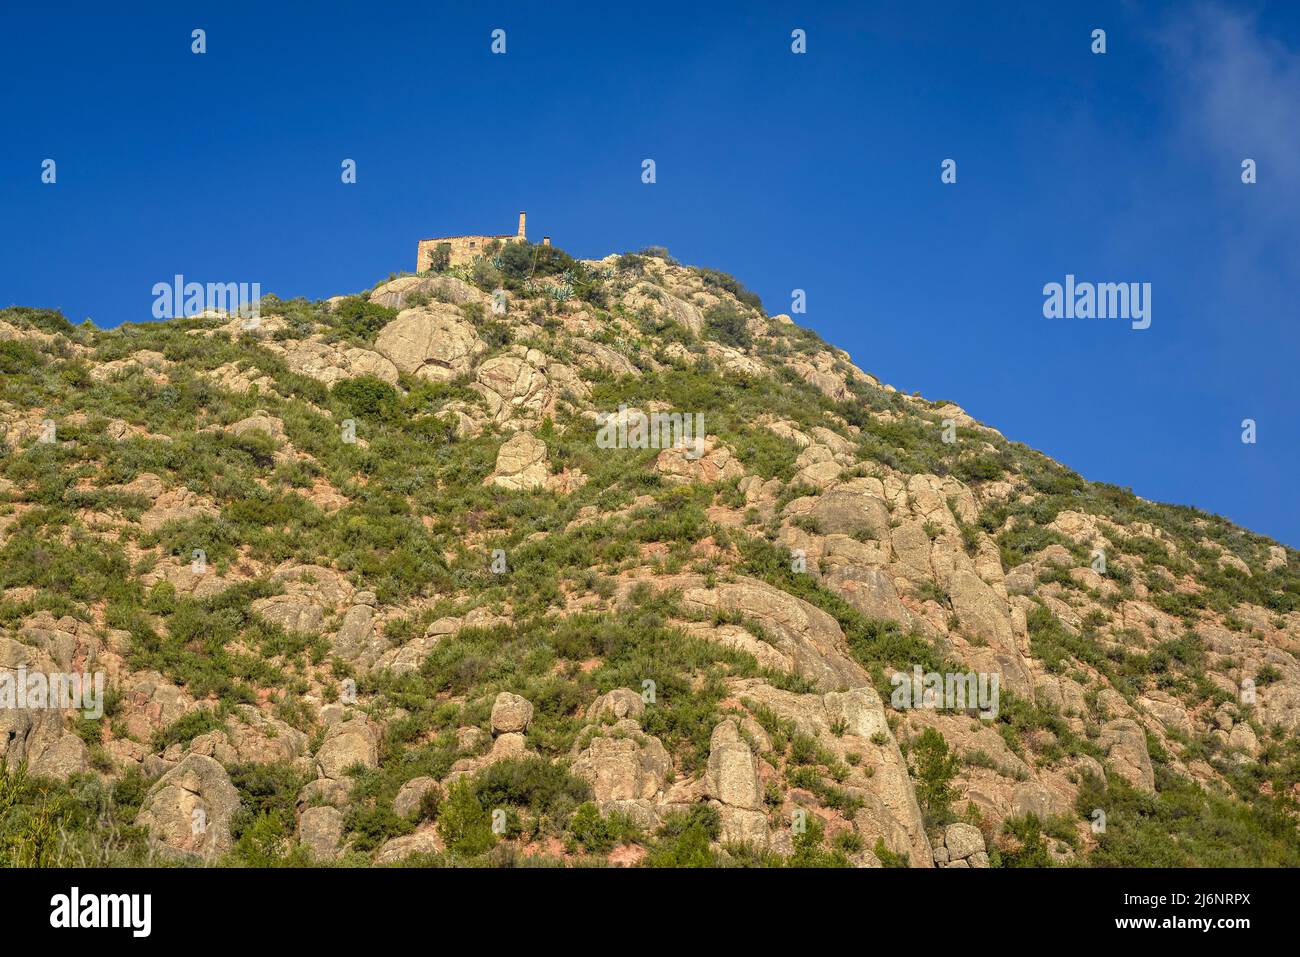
818,172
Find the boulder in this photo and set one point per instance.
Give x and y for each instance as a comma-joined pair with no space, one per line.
331,362
354,632
395,293
962,841
732,776
424,841
510,713
521,463
188,810
355,741
327,791
409,798
624,768
432,342
37,736
320,829
515,388
618,704
261,423
703,460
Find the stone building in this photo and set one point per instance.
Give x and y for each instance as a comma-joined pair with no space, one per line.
462,250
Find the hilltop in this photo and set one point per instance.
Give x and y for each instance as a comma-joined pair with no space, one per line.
366,588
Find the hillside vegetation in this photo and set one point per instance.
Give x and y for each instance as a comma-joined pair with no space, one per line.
366,589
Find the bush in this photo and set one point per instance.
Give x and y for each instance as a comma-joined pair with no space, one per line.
189,726
372,825
590,829
808,849
440,258
46,320
934,769
17,357
264,824
360,319
463,822
534,783
887,857
368,397
685,837
720,280
728,325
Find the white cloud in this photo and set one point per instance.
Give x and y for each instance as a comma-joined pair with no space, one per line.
1239,91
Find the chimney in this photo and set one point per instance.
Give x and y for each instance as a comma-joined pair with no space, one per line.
522,234
546,240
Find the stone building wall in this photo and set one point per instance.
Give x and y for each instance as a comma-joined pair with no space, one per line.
464,249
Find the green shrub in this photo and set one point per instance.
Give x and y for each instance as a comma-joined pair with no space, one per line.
728,325
464,823
359,319
684,838
934,768
368,397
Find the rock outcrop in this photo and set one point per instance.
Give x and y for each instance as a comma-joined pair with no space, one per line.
188,810
432,342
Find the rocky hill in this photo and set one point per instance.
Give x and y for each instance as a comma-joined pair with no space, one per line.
405,577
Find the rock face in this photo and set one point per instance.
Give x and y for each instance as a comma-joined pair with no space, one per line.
37,736
732,781
251,737
188,810
521,463
880,779
355,741
1125,744
627,770
658,300
985,615
811,638
433,342
331,363
311,592
603,357
321,830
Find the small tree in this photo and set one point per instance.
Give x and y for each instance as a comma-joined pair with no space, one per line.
464,823
934,768
440,258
